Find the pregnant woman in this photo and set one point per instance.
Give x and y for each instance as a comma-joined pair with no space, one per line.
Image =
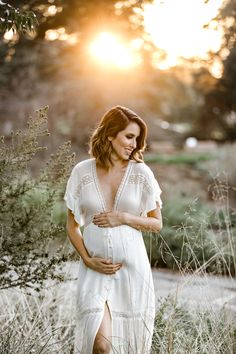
115,196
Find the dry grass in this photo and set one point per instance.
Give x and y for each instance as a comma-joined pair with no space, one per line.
44,323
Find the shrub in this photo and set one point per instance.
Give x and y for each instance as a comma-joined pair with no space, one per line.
180,158
27,204
194,236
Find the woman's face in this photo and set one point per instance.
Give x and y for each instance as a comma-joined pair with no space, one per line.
125,141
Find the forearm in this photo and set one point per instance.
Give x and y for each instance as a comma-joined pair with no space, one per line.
76,239
142,223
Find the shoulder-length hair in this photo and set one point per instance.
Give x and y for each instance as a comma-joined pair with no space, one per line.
114,121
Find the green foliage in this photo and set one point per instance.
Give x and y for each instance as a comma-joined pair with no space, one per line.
181,158
15,19
194,237
27,205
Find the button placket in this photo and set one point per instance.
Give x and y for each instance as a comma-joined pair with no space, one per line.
109,246
110,254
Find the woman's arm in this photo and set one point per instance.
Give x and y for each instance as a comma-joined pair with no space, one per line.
100,265
75,236
153,221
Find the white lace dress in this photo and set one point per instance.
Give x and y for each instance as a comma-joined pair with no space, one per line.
129,293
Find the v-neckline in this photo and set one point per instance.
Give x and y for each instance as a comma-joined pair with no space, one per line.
118,191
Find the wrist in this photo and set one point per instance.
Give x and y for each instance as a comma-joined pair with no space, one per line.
86,260
125,218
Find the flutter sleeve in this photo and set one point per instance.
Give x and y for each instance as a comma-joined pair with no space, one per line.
151,193
72,195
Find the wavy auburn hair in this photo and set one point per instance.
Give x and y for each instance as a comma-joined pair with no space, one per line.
114,121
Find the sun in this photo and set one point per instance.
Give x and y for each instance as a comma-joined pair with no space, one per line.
175,27
108,49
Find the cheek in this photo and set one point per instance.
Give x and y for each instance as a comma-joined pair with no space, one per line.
124,142
119,143
116,145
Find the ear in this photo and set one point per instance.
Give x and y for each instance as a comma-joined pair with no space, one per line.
110,138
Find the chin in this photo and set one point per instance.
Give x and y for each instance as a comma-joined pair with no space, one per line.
124,156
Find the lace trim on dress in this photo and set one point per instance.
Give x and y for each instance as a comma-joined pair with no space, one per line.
83,182
140,179
121,186
91,311
119,190
132,315
120,314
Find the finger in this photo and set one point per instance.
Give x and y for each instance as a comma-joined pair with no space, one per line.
100,222
115,265
112,269
97,216
106,261
96,219
109,261
102,225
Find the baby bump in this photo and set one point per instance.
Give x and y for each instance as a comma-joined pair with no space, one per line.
94,241
118,243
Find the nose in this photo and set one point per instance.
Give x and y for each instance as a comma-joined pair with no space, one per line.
133,143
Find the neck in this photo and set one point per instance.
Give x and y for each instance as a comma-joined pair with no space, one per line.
118,163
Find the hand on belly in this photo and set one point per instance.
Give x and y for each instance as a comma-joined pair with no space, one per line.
103,265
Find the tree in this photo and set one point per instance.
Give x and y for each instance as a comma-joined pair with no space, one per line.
83,16
219,109
13,18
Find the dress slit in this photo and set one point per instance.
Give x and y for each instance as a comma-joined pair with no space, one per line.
99,324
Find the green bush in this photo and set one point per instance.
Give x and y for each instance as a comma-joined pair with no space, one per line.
194,236
181,158
27,206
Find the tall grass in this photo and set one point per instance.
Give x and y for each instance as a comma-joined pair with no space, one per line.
197,236
180,329
40,323
43,323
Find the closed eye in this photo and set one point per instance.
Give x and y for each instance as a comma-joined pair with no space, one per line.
130,136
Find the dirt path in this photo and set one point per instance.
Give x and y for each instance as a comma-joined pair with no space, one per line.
194,289
211,292
204,290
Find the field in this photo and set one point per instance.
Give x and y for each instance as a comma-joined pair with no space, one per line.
198,239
